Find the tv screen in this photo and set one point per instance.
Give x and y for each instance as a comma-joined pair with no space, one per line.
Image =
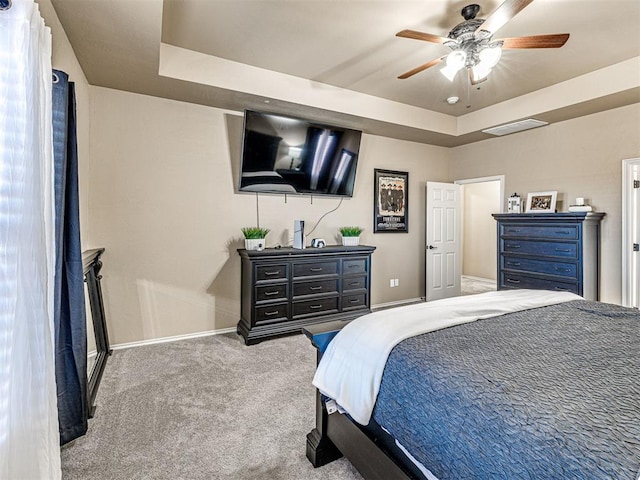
290,155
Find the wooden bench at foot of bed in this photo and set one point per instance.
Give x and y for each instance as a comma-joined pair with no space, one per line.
335,435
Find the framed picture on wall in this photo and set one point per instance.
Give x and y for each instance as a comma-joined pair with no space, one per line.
390,201
541,202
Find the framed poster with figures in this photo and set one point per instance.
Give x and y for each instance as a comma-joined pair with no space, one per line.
391,201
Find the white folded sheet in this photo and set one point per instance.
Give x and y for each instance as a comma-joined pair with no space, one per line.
351,368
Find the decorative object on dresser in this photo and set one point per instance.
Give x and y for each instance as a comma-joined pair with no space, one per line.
514,204
350,236
541,202
550,251
254,237
580,206
285,289
390,201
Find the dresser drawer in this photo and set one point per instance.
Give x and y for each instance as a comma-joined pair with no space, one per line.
354,300
569,232
548,249
354,283
320,306
511,280
315,287
563,269
316,268
271,313
271,292
354,266
271,272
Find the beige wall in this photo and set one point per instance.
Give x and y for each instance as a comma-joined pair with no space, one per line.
479,229
163,204
578,158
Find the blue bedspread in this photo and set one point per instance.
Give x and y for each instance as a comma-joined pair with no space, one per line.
548,393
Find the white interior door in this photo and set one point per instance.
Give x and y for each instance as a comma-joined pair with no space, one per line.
634,218
443,240
631,232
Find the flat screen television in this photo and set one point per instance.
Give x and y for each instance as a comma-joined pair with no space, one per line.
295,156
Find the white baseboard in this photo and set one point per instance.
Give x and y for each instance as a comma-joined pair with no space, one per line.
397,303
153,341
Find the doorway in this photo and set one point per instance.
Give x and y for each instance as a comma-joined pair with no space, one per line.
480,198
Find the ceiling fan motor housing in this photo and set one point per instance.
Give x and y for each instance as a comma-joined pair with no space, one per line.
466,29
470,11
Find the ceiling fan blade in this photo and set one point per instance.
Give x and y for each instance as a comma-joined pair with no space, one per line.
501,15
536,41
420,68
427,37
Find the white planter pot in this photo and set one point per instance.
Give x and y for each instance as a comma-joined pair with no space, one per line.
254,243
350,241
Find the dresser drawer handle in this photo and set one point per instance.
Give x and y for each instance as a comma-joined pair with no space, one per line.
354,300
275,292
318,287
559,289
558,269
563,232
316,269
515,230
564,250
511,280
315,307
514,264
354,284
353,266
277,272
514,246
271,314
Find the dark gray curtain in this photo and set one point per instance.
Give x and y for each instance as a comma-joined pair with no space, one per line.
70,315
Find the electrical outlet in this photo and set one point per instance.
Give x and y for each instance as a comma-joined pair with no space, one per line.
391,282
397,282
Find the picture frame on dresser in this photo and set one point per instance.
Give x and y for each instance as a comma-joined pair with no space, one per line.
541,202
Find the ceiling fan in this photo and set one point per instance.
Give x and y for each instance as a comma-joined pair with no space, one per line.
472,45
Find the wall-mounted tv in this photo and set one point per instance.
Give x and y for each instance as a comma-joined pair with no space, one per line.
295,156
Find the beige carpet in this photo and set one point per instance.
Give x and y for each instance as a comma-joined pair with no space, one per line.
208,408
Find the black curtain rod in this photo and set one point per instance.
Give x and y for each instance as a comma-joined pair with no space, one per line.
5,4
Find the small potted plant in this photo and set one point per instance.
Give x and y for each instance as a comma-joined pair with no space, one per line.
350,235
254,237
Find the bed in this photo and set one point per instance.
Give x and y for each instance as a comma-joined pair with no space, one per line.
515,384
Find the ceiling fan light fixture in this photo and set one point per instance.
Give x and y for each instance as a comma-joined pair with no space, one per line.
457,59
490,55
449,72
479,73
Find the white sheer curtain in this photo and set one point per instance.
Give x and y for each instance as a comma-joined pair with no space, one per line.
29,438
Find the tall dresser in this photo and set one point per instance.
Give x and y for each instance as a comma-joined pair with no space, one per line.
550,251
286,289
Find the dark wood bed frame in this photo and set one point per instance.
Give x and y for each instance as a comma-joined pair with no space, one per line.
335,435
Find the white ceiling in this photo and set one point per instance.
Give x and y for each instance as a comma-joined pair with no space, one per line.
326,59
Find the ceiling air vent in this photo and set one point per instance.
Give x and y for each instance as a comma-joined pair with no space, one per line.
514,127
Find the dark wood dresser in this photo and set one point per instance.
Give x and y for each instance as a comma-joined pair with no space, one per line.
550,251
286,289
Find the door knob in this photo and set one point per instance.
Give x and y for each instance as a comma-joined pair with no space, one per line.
431,247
